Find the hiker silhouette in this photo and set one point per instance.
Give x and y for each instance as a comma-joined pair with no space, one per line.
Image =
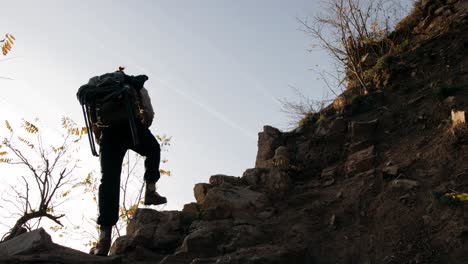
118,109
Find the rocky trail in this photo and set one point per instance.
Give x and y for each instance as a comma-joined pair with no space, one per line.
362,181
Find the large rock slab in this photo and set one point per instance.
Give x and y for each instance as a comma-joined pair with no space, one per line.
268,141
37,247
200,190
33,241
272,181
161,232
229,201
360,161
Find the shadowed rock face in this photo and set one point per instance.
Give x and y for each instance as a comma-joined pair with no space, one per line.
268,141
29,242
355,188
37,247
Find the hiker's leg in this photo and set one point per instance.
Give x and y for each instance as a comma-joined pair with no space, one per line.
150,149
104,241
111,157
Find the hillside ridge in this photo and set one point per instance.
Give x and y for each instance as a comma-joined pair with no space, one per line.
362,181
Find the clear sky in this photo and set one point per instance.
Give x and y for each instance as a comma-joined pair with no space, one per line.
216,69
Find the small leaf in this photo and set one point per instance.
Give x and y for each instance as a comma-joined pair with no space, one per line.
10,37
8,126
164,172
55,228
5,160
30,127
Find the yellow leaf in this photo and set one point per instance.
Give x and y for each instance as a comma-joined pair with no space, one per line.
30,127
10,37
4,160
164,172
8,126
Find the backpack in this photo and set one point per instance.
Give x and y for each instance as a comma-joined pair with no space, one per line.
111,100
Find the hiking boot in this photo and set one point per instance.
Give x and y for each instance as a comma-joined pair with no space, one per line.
153,198
104,242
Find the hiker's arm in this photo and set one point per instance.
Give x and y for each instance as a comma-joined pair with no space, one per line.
148,112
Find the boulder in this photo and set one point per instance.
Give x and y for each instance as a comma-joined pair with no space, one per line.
161,232
200,190
58,254
29,242
141,219
272,181
268,141
232,202
219,179
191,208
360,161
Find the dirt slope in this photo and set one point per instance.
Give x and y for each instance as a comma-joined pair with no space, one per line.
363,181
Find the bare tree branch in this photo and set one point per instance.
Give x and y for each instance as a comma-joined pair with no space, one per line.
48,173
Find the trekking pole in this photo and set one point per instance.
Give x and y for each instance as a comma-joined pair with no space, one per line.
88,125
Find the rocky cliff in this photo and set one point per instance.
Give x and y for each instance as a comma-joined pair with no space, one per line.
363,181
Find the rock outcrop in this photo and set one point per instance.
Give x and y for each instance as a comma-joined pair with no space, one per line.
360,182
37,247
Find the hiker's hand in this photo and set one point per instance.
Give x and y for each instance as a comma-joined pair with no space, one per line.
145,119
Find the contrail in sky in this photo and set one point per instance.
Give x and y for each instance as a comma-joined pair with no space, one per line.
191,98
205,107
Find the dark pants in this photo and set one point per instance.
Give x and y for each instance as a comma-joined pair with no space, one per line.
114,143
